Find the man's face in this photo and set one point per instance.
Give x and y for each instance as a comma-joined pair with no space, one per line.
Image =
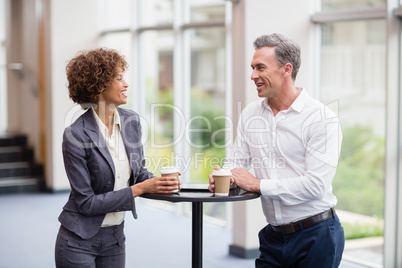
267,73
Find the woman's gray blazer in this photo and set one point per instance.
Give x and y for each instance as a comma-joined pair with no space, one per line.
90,170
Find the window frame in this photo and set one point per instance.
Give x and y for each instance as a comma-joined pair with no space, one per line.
181,69
392,14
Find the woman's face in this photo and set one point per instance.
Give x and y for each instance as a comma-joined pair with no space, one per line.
116,93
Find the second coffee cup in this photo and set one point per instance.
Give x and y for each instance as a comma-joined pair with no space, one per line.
171,171
222,182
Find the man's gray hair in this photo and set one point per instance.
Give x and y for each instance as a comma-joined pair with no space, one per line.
286,50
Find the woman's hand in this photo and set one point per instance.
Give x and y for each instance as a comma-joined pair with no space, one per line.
156,185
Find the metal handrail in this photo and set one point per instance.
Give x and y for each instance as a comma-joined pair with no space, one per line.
24,73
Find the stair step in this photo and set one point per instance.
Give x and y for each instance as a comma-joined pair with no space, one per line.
12,140
21,185
15,154
19,173
10,181
17,169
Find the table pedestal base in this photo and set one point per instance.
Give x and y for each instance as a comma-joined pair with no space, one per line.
197,197
197,235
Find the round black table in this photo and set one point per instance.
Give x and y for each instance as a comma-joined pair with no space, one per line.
197,195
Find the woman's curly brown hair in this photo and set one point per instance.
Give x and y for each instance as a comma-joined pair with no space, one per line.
91,72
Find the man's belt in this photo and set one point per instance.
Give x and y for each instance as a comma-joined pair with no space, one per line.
299,225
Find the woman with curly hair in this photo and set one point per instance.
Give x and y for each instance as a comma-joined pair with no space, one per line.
104,162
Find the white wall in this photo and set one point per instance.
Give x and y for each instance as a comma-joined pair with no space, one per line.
73,27
289,17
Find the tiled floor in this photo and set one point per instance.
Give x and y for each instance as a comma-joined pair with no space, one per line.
28,227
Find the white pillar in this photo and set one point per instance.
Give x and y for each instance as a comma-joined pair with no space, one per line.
253,18
74,27
248,220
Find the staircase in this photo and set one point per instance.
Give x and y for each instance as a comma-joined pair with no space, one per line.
18,171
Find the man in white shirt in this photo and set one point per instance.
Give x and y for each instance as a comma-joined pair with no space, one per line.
293,144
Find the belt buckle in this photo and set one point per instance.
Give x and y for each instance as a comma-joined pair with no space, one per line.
287,229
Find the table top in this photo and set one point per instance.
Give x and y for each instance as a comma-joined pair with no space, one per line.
200,193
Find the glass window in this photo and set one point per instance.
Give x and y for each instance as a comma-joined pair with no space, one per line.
206,10
3,69
157,82
122,42
207,124
353,84
346,4
195,98
207,139
115,14
160,12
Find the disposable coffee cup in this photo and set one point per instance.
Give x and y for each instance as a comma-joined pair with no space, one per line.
171,171
222,182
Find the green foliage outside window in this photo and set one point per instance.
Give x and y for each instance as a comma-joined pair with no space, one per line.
212,137
205,113
356,231
359,180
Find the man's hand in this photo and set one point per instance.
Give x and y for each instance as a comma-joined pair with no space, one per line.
245,180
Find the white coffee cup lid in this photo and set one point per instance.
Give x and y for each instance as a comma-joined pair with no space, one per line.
169,169
222,172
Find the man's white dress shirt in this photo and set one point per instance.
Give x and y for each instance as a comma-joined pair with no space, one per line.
294,154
